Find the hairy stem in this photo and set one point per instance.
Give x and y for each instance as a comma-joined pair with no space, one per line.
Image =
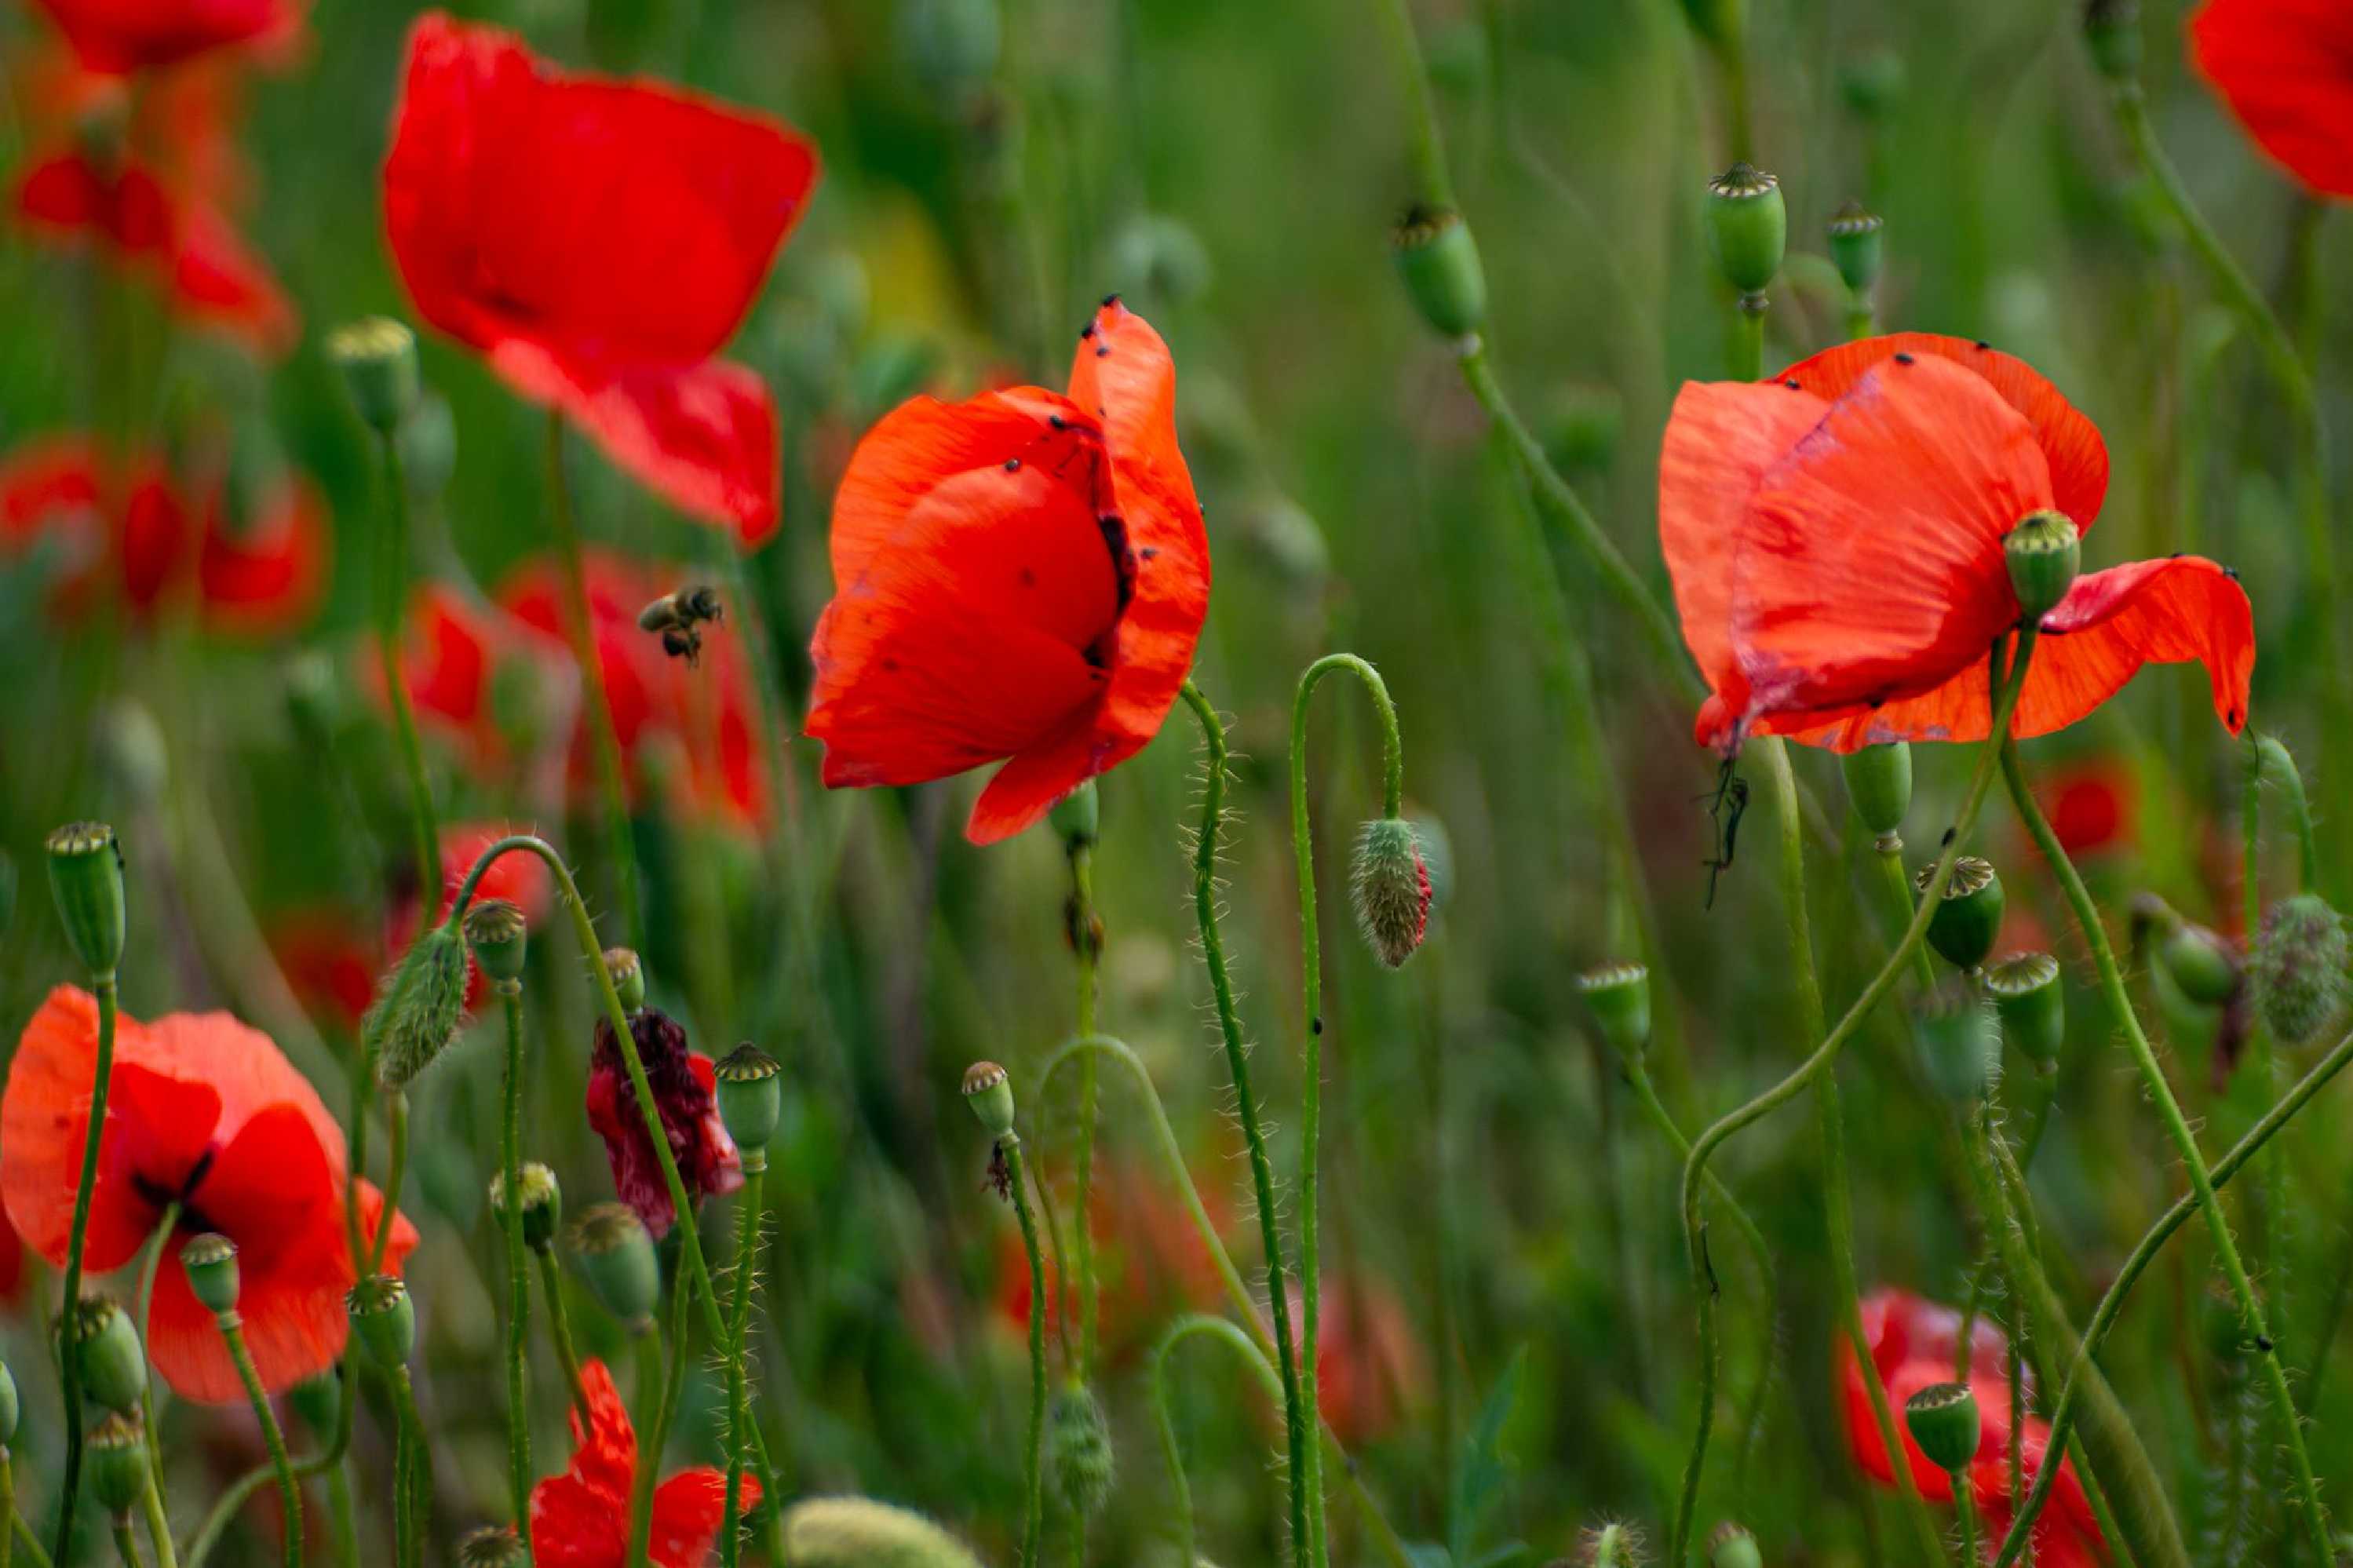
1033,1490
1251,1356
739,1393
76,1235
289,1490
392,589
519,1472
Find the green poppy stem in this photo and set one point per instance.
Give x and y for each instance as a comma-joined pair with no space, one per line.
273,1437
1033,1492
76,1235
559,1320
1178,1333
126,1545
396,1174
1083,944
519,1471
739,1393
392,589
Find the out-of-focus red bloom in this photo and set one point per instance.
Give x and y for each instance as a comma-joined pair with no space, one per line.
1835,537
1914,1344
118,36
328,963
1021,576
2286,69
1369,1370
203,1112
1150,1261
2093,805
683,1081
598,242
581,1517
182,121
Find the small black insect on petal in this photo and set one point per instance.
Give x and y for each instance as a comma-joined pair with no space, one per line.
1904,359
1012,465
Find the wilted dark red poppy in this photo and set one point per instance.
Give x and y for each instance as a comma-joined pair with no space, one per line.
2286,67
1914,1345
598,242
119,36
581,1517
1835,537
1021,576
683,1082
203,1112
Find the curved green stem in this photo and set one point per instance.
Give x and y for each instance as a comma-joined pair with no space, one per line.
159,1523
1033,1488
289,1490
391,587
519,1472
76,1235
396,1174
25,1538
1421,117
739,1394
2276,767
1252,1357
145,1301
328,1462
8,1507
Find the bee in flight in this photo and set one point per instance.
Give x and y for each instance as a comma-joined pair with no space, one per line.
678,617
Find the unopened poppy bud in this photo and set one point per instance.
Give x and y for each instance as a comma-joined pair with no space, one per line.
1077,1449
384,1320
1439,262
10,1411
1942,1419
629,978
1437,850
617,1257
1969,918
493,1546
421,1009
1732,1546
114,1363
1748,225
86,878
1611,1545
116,1450
542,1202
499,936
2112,32
751,1099
1858,246
378,357
2045,554
2032,1004
428,442
2300,965
1391,883
1879,782
211,1262
2200,963
1619,998
989,1089
1077,816
1960,1049
318,1400
853,1533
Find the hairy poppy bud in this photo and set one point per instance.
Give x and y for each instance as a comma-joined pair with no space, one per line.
751,1099
852,1532
542,1202
2045,552
9,1409
1732,1546
384,1320
989,1089
2200,963
117,1451
378,357
1611,1545
1077,816
2112,32
493,1546
1960,1049
1391,883
1969,918
1858,246
114,1363
2034,1007
617,1257
1439,262
1619,998
629,978
2300,967
211,1262
1879,782
1748,225
86,878
421,1009
1077,1449
428,448
499,936
1942,1419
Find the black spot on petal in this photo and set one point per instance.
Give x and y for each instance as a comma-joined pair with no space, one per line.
1012,465
1904,359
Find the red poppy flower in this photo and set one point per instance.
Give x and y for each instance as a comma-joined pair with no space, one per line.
599,242
328,965
1913,1345
118,36
683,1082
1835,537
263,575
182,122
2286,67
1019,577
12,1263
2093,804
1150,1261
581,1517
1369,1370
203,1112
473,670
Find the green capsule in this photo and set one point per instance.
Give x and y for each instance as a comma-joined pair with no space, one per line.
2046,552
542,1202
1618,995
499,937
615,1255
2200,963
2032,1004
86,878
1942,1419
1439,262
493,1546
384,1318
1749,226
1968,919
1858,246
116,1454
1879,782
1732,1546
211,1262
113,1363
378,359
751,1098
1077,818
629,978
428,443
989,1089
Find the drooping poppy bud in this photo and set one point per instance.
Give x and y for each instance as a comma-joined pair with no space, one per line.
116,1450
378,357
211,1262
498,935
1391,883
2112,32
989,1089
1077,818
1439,262
1967,919
114,1363
1858,246
421,1009
2046,552
617,1257
86,878
384,1320
1619,998
629,978
852,1532
493,1546
1749,226
542,1202
2032,1006
1960,1049
2200,963
751,1099
1079,1451
2300,966
1732,1546
1879,782
1942,1419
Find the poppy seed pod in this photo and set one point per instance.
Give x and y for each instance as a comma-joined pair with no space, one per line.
86,878
427,441
1879,782
1969,918
542,1202
989,1089
2300,979
499,936
493,1546
1734,1546
384,1318
421,1008
1942,1419
1439,262
1078,1451
113,1363
629,978
2200,963
2112,32
751,1099
211,1262
1077,816
378,357
852,1532
1858,246
116,1450
2046,552
10,1410
1749,226
617,1256
2032,1006
1960,1049
1391,884
1619,998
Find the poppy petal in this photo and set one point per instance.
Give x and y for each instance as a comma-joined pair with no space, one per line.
266,577
117,39
689,1509
216,279
2286,69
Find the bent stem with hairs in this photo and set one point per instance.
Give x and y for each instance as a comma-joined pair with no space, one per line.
1251,1356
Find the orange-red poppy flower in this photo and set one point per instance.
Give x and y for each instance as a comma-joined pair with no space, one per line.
118,36
1021,576
204,1113
598,242
581,1517
1914,1345
1835,536
2286,67
1150,1261
2094,804
328,962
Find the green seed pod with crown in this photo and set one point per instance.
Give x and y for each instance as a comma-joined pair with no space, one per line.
86,878
1749,226
989,1089
1732,1546
499,936
1618,995
2032,1004
493,1546
1942,1419
1967,919
615,1255
1858,246
2045,554
751,1098
384,1320
1439,263
211,1262
1879,784
378,357
116,1453
113,1363
542,1202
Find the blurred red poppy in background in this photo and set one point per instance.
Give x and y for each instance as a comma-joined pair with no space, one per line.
12,1263
119,36
1835,537
598,242
2286,69
1150,1262
1370,1370
581,1517
1914,1344
204,1113
2094,804
1021,576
